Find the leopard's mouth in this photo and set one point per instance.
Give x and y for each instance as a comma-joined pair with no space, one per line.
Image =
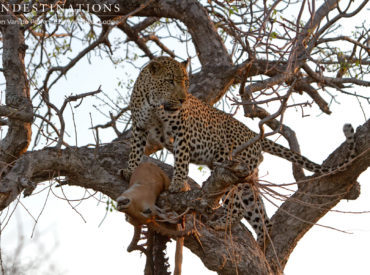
171,107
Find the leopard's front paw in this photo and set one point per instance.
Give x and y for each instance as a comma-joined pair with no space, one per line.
177,187
125,173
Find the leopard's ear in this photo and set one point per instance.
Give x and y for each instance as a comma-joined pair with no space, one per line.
155,67
185,63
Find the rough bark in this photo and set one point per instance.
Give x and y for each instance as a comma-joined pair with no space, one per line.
217,71
97,169
233,252
315,198
19,107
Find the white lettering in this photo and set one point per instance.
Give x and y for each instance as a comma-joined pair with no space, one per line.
107,7
94,6
4,7
15,6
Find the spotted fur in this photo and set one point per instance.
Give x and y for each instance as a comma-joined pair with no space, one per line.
164,111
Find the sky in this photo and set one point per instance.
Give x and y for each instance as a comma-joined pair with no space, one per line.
87,240
85,244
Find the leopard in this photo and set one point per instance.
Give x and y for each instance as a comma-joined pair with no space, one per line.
163,110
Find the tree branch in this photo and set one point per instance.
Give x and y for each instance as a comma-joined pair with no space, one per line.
315,198
17,90
18,114
97,168
211,51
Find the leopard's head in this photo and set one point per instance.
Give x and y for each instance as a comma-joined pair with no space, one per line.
168,82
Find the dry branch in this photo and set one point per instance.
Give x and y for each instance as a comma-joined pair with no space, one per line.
97,168
298,214
254,54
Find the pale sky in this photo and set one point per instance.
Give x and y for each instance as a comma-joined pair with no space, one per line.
86,248
78,247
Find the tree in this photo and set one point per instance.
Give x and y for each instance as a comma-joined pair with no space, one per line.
264,51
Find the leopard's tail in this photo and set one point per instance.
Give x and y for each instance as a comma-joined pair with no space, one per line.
280,151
